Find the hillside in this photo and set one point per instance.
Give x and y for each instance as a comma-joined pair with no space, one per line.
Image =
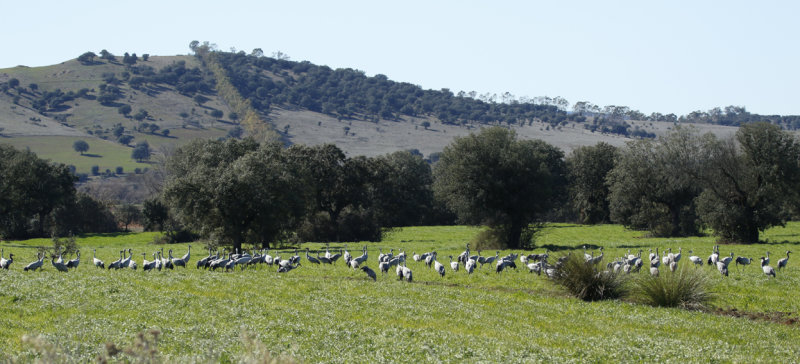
48,108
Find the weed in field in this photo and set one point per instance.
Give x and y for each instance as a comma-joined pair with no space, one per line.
584,280
687,288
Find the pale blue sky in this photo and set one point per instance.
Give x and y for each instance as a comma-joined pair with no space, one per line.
664,56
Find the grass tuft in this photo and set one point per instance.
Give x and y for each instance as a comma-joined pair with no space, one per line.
686,288
585,281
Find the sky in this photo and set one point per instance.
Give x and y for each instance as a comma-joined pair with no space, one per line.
653,56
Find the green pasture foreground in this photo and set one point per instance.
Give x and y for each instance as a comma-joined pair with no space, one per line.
332,314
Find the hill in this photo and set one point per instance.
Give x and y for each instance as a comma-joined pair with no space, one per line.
169,101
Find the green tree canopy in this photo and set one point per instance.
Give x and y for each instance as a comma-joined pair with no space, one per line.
141,151
588,167
653,185
30,189
235,190
495,179
751,183
80,146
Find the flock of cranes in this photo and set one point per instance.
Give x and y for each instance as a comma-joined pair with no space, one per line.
535,263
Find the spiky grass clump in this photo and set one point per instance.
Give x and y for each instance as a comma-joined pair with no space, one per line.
687,288
588,282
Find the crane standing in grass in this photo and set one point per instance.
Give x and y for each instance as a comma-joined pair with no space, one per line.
782,262
766,268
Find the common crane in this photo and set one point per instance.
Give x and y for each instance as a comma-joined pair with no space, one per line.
453,265
310,258
407,274
73,263
36,264
97,262
61,267
766,268
695,259
439,267
782,262
5,263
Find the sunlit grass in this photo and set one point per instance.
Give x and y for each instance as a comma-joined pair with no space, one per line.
331,313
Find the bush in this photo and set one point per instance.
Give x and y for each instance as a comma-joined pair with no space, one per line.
583,280
687,288
119,170
95,170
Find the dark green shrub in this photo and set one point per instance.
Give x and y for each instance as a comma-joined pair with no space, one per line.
585,281
687,288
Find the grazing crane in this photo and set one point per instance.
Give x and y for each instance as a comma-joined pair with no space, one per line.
429,259
97,262
586,256
327,253
407,274
5,263
766,259
115,264
742,261
74,262
673,266
523,259
535,267
288,267
324,260
503,264
60,266
766,268
36,264
295,258
453,265
722,267
439,267
416,256
336,256
370,273
695,259
655,261
782,262
399,271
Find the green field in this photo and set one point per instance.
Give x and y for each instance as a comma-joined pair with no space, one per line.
332,314
102,153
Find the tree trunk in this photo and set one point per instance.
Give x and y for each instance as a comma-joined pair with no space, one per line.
514,233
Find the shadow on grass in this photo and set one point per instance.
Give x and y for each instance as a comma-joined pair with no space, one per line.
558,248
91,155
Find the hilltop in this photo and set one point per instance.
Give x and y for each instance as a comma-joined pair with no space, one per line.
115,102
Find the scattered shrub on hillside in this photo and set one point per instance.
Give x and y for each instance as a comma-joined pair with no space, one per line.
585,281
687,288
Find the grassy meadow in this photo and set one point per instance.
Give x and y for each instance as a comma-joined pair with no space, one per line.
330,313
